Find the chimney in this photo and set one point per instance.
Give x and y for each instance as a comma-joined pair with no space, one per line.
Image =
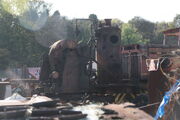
108,22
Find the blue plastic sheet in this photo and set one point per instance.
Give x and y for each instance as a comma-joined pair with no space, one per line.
160,112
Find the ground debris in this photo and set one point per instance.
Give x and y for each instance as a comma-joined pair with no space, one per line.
38,108
126,113
44,108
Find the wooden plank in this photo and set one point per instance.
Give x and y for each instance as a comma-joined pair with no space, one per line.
4,83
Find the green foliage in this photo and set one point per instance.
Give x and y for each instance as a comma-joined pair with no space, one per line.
159,28
131,36
176,20
84,31
56,28
93,17
117,22
95,20
15,7
4,54
35,17
144,27
18,45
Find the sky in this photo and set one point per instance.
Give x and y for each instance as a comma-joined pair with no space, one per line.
152,10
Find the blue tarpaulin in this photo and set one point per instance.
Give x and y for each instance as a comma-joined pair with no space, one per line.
160,112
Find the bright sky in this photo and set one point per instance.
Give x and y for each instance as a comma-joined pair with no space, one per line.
153,10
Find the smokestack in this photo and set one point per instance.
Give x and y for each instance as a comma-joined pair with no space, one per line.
108,22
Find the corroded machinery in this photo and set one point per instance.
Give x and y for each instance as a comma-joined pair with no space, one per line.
108,56
120,69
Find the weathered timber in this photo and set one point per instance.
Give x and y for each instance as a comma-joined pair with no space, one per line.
43,118
10,108
13,114
45,112
70,112
72,117
45,104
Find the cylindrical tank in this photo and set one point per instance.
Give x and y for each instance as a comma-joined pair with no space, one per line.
108,57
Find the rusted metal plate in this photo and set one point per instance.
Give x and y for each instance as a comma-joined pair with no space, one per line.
174,31
127,113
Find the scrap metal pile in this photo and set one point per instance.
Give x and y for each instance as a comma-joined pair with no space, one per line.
37,108
17,107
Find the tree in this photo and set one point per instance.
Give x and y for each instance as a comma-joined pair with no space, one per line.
36,15
131,36
176,20
159,28
117,22
18,45
144,27
93,17
84,29
56,28
4,55
14,7
95,20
